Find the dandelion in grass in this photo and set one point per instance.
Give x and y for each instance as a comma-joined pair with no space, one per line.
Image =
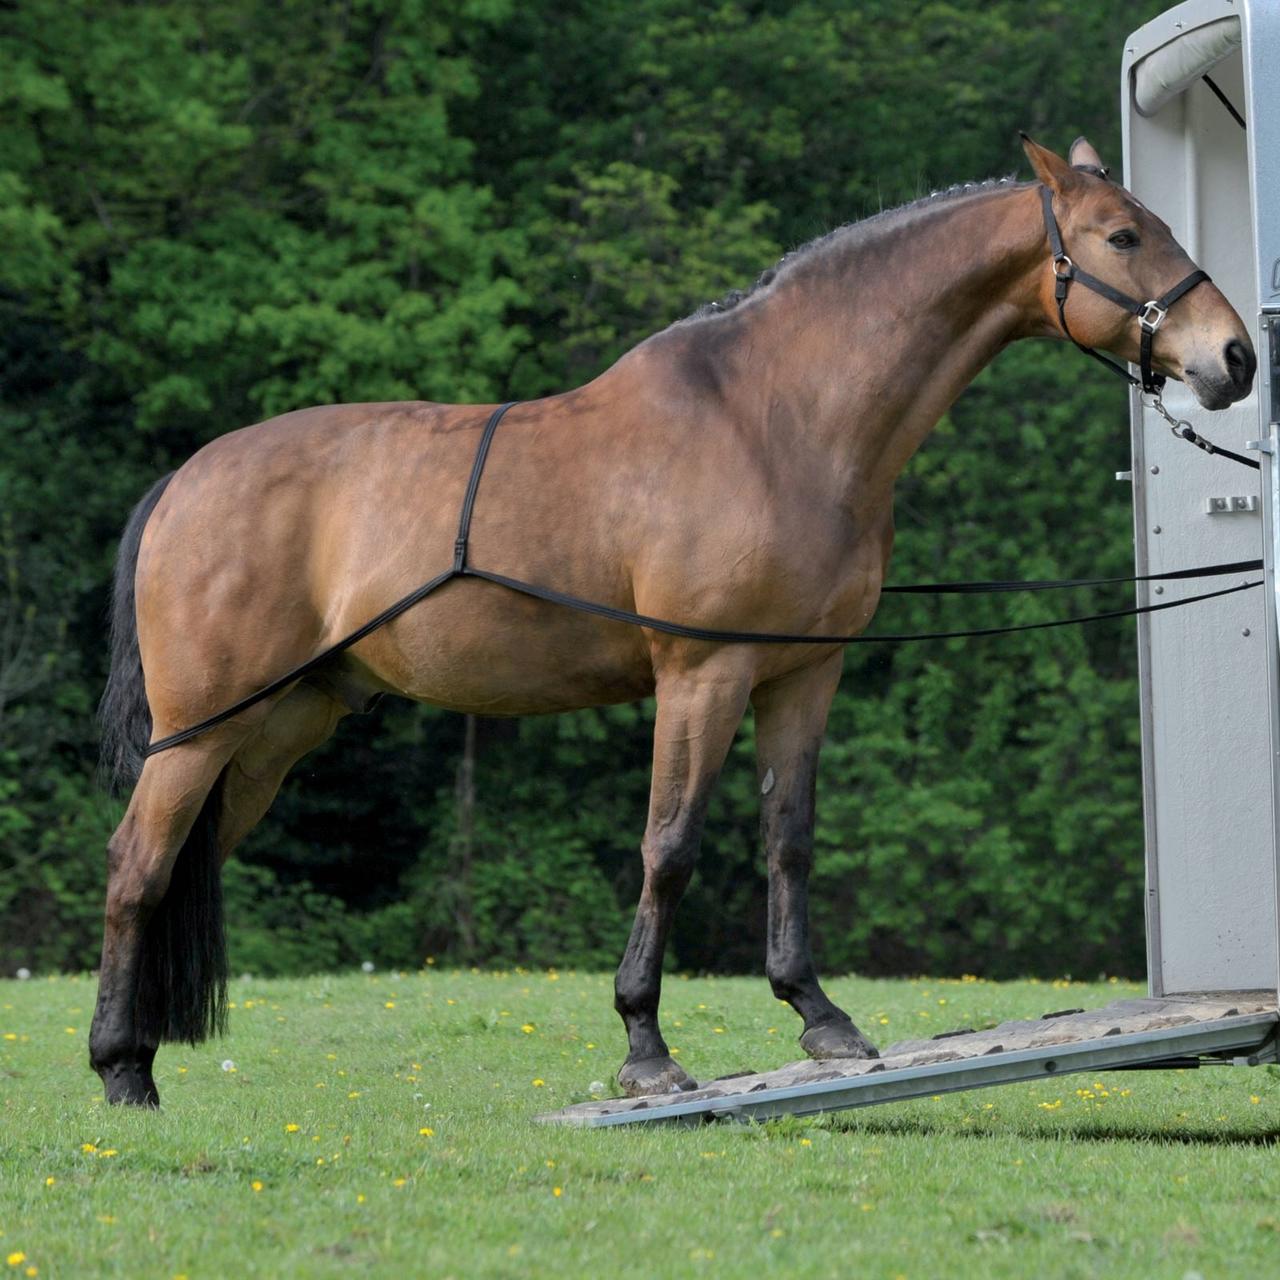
557,1192
426,1133
399,1182
16,1259
291,1128
539,1083
527,1028
256,1185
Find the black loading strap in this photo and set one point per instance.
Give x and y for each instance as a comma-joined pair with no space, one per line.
462,569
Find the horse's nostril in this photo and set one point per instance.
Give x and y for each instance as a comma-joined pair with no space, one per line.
1240,362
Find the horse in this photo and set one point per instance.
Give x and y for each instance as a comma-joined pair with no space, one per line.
733,471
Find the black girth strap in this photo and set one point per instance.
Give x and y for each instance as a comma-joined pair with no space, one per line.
1150,314
462,569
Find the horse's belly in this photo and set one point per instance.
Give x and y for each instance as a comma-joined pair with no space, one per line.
481,648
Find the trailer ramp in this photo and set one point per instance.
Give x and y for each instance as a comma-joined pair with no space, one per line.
1239,1027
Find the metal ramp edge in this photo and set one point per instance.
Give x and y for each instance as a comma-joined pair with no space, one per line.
960,1062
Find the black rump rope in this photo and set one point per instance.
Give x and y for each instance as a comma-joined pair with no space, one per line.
462,569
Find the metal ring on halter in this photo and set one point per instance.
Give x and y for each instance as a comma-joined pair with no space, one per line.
1061,258
1151,315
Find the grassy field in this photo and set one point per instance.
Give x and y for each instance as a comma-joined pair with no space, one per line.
382,1125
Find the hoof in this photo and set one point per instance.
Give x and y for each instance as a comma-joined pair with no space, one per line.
837,1040
129,1087
653,1075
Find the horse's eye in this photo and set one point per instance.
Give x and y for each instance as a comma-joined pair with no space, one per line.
1123,240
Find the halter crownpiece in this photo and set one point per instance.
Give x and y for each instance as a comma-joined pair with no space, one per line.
1150,314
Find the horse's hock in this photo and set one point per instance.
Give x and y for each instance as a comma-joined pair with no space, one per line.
1206,154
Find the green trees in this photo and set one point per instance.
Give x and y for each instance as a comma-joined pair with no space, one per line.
212,213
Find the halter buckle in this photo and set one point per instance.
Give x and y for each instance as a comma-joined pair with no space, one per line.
1151,315
1061,260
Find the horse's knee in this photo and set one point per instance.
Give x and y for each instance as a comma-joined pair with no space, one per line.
668,862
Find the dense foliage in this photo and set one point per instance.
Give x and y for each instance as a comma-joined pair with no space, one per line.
213,212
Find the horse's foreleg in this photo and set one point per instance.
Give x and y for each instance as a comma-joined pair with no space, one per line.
168,814
698,714
791,717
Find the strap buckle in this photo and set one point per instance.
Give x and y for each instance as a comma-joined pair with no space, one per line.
1151,315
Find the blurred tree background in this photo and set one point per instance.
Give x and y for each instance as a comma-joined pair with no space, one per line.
214,212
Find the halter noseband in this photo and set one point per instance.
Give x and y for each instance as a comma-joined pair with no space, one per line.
1150,314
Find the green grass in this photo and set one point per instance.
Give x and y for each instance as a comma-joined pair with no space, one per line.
1143,1175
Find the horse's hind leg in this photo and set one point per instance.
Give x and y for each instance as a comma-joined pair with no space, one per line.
304,718
698,714
791,717
161,973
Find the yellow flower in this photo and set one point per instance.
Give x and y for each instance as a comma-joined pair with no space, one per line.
48,1182
88,1148
390,1004
527,1028
108,1153
538,1084
806,1142
291,1128
355,1093
399,1182
1253,1097
426,1133
16,1259
256,1185
557,1192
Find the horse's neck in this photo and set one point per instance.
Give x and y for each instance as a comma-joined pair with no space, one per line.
859,357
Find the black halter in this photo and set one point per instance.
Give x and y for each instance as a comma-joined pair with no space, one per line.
1149,314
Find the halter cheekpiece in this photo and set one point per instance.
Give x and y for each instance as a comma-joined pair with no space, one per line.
1150,314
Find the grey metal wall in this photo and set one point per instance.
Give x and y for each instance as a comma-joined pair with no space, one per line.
1207,670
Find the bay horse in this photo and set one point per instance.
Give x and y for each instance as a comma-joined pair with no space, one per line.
734,471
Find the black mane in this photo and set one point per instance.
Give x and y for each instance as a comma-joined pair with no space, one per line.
768,276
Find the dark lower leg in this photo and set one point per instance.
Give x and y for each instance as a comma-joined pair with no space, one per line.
790,721
140,860
697,717
638,986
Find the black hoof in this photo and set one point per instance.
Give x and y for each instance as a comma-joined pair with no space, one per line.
837,1040
654,1075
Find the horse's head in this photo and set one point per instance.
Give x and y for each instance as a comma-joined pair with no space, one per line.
1105,231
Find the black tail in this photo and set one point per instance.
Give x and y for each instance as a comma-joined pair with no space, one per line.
123,712
182,986
182,980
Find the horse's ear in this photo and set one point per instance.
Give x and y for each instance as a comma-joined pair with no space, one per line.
1051,168
1083,156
